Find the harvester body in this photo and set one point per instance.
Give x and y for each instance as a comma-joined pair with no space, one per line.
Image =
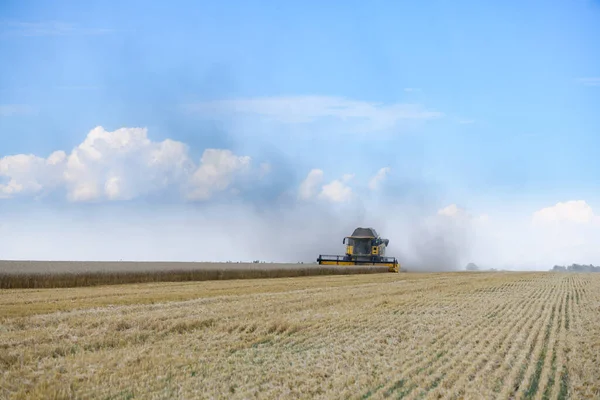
363,247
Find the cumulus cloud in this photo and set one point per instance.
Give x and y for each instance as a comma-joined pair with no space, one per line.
336,191
216,172
457,213
347,177
451,211
126,164
29,174
122,165
305,109
574,211
310,186
379,177
563,233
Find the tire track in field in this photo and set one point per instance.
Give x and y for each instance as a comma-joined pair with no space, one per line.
588,382
575,376
181,313
339,330
236,302
514,382
561,387
510,349
487,349
317,329
359,340
464,336
414,356
384,324
329,331
448,383
564,386
528,381
473,368
431,309
538,369
550,388
571,315
532,384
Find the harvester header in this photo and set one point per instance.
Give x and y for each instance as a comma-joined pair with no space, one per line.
363,247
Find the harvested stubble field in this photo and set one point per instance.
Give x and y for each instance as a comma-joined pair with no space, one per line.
445,335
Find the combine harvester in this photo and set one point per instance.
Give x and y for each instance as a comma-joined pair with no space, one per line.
364,247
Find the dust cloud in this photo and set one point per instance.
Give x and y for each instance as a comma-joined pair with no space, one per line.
235,233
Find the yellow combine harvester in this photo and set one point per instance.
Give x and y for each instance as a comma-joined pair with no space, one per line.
364,247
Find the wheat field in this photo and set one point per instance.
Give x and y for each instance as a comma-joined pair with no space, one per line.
413,336
64,274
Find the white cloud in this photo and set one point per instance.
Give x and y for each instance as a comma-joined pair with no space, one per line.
412,90
336,191
310,186
574,211
29,174
216,172
590,81
347,177
122,165
375,182
466,121
304,109
456,212
451,211
564,233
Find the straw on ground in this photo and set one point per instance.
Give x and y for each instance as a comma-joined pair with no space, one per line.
446,335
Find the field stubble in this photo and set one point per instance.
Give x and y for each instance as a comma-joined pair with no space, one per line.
445,335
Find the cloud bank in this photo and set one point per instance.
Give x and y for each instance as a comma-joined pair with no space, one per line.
212,220
123,165
365,116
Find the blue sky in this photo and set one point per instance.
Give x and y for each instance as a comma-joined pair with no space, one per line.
493,108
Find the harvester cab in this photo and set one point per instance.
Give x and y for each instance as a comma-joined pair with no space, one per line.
363,247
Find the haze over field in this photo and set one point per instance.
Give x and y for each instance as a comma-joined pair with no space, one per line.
463,132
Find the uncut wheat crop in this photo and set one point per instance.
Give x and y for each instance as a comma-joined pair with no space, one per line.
445,335
63,274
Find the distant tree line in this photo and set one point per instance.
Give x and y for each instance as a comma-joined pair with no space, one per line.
576,268
474,267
